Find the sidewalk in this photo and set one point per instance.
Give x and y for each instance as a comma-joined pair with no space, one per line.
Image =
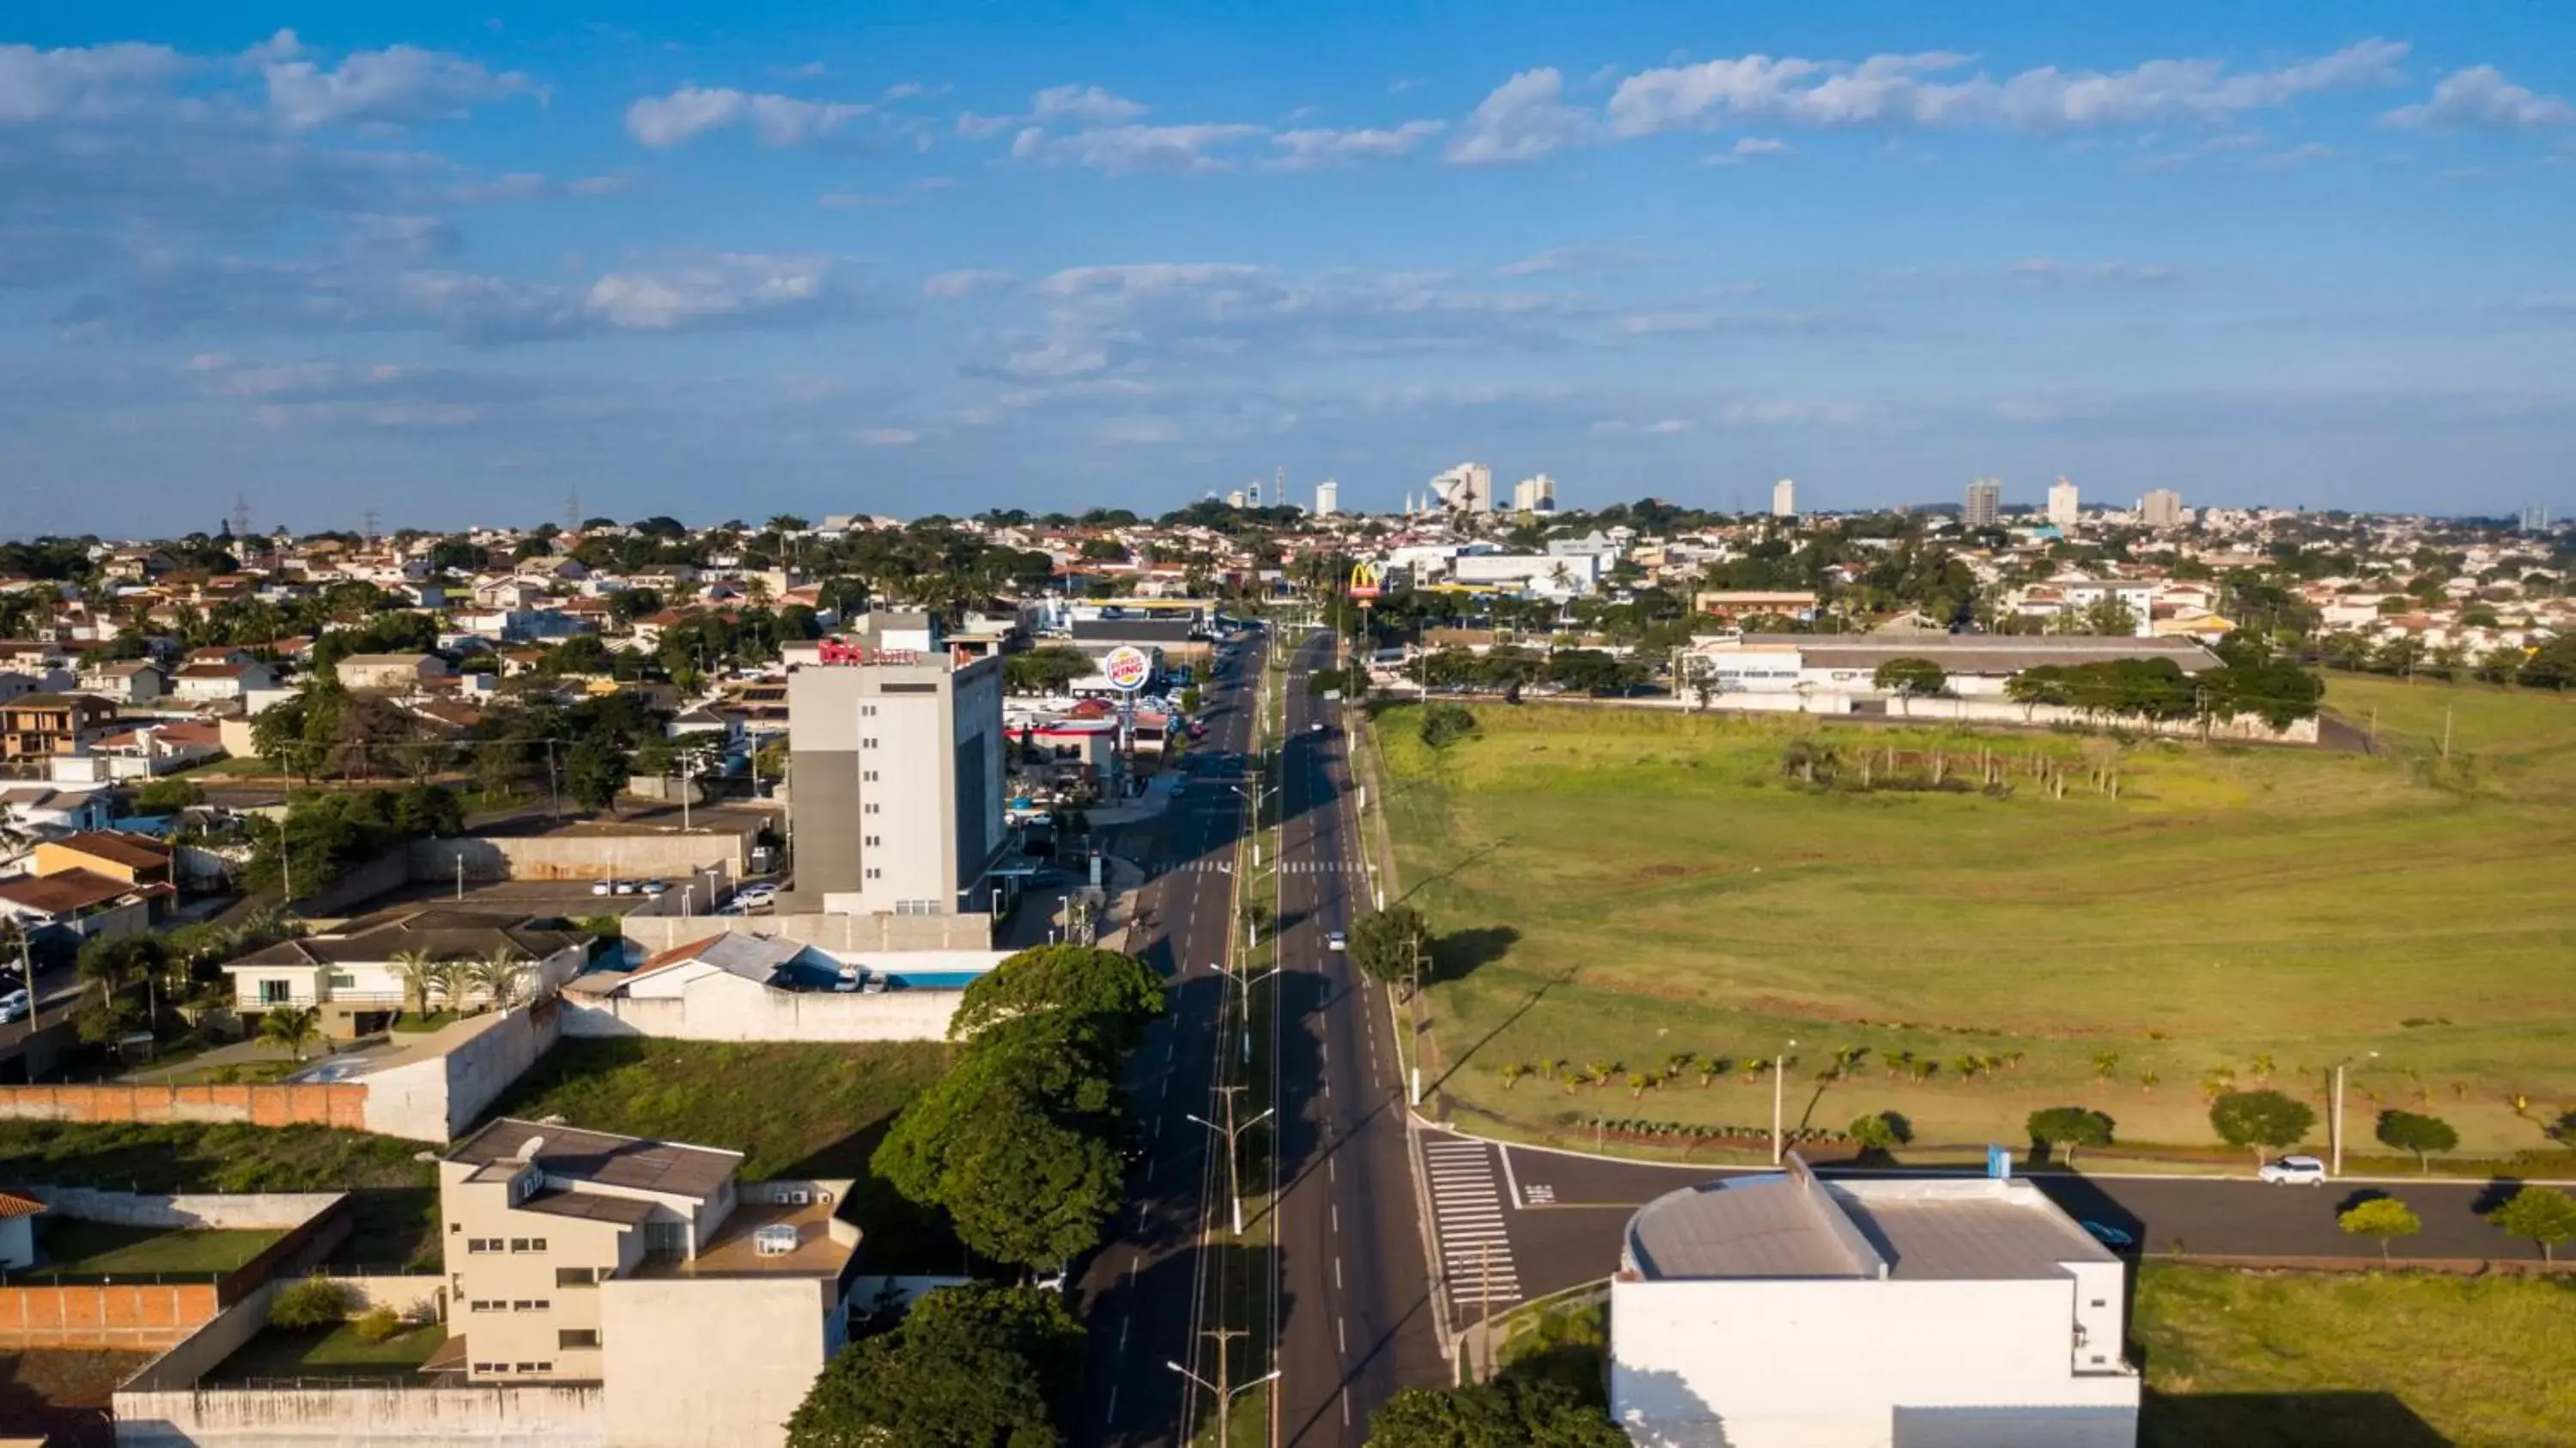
1159,793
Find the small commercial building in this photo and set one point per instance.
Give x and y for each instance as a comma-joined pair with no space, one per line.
1785,1311
1825,667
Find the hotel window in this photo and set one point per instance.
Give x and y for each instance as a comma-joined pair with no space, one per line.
532,1304
577,1337
578,1276
876,874
870,777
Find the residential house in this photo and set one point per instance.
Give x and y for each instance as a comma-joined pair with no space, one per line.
217,683
44,810
143,752
40,726
130,681
62,911
389,673
350,975
111,854
702,1307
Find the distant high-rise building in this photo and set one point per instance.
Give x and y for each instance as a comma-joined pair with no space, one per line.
1534,495
1328,498
2535,518
1985,505
1784,498
2161,509
2064,504
1234,499
1466,488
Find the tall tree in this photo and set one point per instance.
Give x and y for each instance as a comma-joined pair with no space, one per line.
2546,1215
2068,1127
1391,944
969,1367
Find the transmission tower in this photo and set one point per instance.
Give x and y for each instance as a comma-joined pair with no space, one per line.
241,515
572,511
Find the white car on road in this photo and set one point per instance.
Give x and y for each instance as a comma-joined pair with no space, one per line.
15,1005
1335,941
2294,1171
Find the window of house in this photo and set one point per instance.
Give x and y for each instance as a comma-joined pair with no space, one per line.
870,777
574,1337
480,1305
575,1276
276,992
867,744
518,1244
874,841
482,1244
875,874
871,809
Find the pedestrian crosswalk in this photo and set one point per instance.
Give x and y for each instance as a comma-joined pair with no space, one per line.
1467,1210
1215,866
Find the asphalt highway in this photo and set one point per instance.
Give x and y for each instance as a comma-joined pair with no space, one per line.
1357,1305
1138,1294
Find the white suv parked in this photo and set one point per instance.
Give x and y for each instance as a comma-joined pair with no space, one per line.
2294,1171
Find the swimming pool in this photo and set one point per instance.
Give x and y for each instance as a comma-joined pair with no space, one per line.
933,979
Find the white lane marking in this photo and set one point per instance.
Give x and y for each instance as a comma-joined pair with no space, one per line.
1509,1180
1341,1344
1337,1281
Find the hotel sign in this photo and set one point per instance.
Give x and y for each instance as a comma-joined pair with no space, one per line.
834,651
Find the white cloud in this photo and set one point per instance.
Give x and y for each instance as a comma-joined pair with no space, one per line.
912,90
778,121
887,436
1122,150
983,128
2481,98
1746,149
1669,426
397,85
1086,104
612,183
966,282
83,83
1525,118
1528,116
723,286
2294,156
1311,149
2040,269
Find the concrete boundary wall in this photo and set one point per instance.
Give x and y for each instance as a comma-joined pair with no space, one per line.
435,1098
200,1210
902,1015
363,1417
320,1104
667,855
197,1354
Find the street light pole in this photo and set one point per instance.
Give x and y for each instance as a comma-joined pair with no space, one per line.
1233,1177
1779,1085
1225,1396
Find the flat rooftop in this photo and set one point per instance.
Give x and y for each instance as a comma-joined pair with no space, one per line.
735,1252
633,1162
1796,1225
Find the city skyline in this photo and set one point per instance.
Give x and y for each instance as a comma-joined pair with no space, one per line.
449,271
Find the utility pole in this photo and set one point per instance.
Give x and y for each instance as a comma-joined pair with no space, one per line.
2446,731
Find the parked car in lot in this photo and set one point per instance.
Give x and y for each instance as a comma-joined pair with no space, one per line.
2109,1236
654,888
15,1006
756,897
605,887
2294,1171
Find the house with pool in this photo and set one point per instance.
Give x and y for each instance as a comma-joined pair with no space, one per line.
742,986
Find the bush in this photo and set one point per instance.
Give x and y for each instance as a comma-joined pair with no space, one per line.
1446,724
379,1324
317,1301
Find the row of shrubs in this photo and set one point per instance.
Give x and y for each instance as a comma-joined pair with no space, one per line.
318,1302
1634,1128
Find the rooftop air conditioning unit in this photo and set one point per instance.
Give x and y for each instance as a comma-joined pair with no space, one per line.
774,1241
797,1197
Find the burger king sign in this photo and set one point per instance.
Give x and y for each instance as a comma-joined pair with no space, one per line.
1127,668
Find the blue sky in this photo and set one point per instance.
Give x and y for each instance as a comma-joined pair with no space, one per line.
939,257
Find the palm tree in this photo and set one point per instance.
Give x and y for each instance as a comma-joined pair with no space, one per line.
1513,1073
294,1027
447,977
2104,1063
1553,1068
1601,1073
1638,1081
497,975
418,972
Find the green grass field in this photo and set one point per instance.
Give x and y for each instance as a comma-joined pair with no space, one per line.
2382,1360
1619,886
792,1110
330,1352
72,1245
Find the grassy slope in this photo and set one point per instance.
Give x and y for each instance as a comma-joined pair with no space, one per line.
1664,890
2254,1360
792,1110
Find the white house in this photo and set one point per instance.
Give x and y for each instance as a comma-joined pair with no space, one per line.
353,978
1784,1311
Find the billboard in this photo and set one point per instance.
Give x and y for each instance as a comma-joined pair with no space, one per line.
1127,667
1364,580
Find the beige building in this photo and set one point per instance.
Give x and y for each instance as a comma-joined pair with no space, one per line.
2161,508
702,1307
389,673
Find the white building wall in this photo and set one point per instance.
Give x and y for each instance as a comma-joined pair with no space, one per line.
710,1362
1859,1364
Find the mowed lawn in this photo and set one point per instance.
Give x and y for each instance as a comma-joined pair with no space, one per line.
2379,1360
1625,885
800,1111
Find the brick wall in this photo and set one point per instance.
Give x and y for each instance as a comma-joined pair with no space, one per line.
327,1104
107,1316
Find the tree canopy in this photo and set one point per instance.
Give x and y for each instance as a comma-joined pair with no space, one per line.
2546,1215
2069,1127
1116,992
2261,1119
2422,1135
1510,1412
1390,944
969,1367
2382,1218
